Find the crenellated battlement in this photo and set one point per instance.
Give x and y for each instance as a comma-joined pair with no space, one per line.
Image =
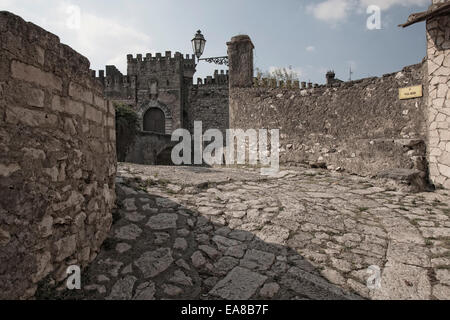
112,78
218,79
157,57
160,59
189,62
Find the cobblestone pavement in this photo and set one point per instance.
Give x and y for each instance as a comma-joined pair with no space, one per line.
207,233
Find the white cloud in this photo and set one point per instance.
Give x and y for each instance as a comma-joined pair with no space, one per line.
310,48
108,41
335,11
331,11
102,40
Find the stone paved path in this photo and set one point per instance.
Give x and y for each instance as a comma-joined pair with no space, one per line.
203,233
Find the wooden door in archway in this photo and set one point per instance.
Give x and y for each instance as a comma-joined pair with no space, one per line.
155,121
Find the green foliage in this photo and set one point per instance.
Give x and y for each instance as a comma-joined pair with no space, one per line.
279,74
127,127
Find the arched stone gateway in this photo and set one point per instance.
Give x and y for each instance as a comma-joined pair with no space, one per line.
156,117
154,120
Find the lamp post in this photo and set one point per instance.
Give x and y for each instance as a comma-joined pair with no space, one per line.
198,45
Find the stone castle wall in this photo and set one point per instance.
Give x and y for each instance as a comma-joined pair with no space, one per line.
438,62
57,158
360,126
158,81
208,102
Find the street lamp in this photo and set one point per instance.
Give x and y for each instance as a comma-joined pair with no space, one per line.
198,45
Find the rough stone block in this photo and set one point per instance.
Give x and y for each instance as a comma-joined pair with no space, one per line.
93,114
4,68
100,103
7,169
57,104
74,107
239,284
34,97
79,92
65,247
444,170
25,72
110,122
32,118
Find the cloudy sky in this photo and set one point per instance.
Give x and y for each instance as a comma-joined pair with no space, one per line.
312,36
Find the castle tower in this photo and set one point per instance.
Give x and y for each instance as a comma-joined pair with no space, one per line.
240,55
155,86
330,77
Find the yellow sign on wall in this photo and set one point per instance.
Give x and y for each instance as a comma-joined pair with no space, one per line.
410,92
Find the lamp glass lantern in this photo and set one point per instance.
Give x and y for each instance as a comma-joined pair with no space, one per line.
198,44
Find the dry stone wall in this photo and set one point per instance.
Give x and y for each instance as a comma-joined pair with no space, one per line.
57,158
361,126
438,61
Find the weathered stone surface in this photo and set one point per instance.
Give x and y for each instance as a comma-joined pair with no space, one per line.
163,221
30,73
95,287
161,237
180,278
211,252
269,290
172,290
145,291
257,260
128,269
443,276
344,139
198,260
51,153
129,232
236,251
134,217
239,284
438,100
113,266
408,254
331,240
122,289
333,276
129,204
4,237
401,281
152,263
65,247
441,292
165,203
180,244
122,247
274,234
223,243
103,278
225,264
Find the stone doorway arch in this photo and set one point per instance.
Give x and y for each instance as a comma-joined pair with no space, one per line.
162,109
154,120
